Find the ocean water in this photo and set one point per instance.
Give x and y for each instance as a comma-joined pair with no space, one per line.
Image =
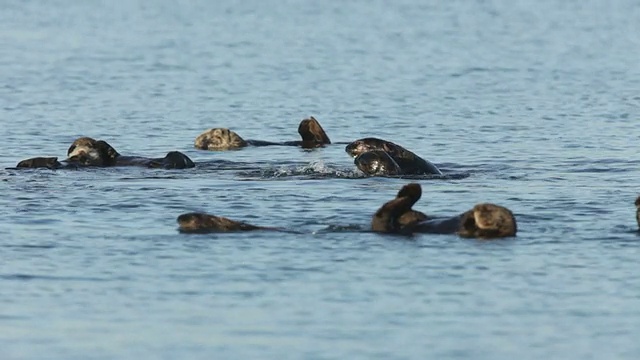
537,102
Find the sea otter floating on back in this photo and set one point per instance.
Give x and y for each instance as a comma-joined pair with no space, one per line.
484,220
313,135
375,156
86,151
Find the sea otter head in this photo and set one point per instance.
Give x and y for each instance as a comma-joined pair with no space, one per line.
488,221
219,139
90,152
377,162
312,133
369,144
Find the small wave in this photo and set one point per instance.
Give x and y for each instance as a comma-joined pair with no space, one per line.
320,170
29,277
314,170
30,246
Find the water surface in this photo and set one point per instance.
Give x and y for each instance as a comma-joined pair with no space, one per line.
536,101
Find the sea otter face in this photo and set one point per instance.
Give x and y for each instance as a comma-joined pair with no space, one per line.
219,139
84,148
363,145
369,144
90,152
377,163
488,221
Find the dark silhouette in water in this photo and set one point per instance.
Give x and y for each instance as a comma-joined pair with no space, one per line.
86,151
377,162
483,221
408,162
313,135
42,162
204,223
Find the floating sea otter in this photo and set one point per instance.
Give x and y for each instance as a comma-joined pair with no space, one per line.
312,134
86,151
204,223
483,221
396,216
380,157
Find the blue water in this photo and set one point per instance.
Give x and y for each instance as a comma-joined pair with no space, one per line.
537,101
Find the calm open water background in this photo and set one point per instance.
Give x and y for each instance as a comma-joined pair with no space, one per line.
538,101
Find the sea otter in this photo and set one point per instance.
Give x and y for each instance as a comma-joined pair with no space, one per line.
205,223
86,151
312,134
483,221
408,162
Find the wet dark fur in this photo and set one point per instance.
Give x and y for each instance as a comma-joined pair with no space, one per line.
206,223
41,162
396,215
310,130
410,163
86,151
377,162
483,221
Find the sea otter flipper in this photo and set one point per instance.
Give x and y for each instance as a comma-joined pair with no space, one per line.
205,223
312,133
412,190
177,160
397,215
40,162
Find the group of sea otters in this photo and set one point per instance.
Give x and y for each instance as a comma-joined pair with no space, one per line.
372,156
